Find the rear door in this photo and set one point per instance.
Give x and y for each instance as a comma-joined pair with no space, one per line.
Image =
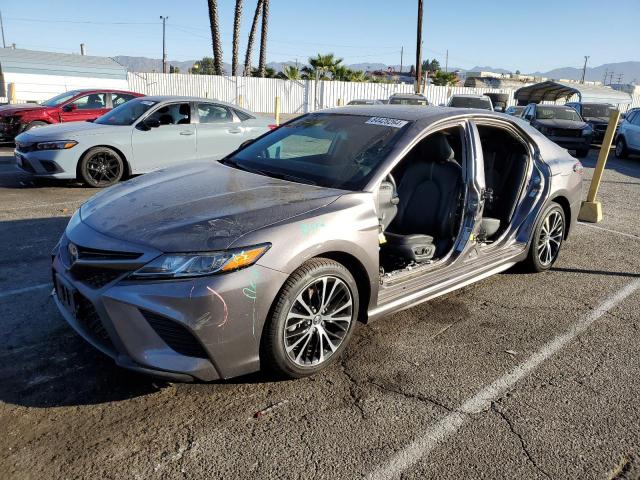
173,142
85,107
220,131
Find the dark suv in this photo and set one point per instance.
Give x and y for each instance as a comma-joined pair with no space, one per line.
71,106
562,125
596,115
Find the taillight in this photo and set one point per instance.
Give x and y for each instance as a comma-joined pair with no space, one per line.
578,168
273,126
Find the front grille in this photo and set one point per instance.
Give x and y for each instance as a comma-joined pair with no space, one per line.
175,335
88,317
566,132
95,277
86,253
27,166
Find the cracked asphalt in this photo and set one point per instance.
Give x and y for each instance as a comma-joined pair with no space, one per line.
67,412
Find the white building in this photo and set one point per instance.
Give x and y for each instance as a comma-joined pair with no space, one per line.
38,76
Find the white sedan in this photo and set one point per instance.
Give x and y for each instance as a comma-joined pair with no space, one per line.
141,135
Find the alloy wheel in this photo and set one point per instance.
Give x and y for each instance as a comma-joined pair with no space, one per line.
619,148
550,238
103,168
318,321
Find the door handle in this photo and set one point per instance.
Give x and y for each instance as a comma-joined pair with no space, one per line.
235,130
186,132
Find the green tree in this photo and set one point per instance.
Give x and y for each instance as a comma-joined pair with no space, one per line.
342,73
290,73
358,76
322,64
268,73
444,78
262,65
430,65
205,66
173,69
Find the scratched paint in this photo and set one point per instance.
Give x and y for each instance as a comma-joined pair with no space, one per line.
251,292
224,304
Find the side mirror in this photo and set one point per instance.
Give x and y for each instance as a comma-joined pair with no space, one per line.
150,123
70,107
246,143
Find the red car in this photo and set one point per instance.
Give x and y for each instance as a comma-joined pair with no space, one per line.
71,106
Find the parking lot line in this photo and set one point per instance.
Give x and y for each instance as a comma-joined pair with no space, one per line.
18,291
421,446
609,230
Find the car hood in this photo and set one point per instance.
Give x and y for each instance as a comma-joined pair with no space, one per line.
69,130
198,207
558,123
598,120
6,110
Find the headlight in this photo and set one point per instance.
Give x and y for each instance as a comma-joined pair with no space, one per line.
181,265
57,145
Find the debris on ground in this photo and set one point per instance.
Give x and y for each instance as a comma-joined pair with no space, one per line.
269,409
511,352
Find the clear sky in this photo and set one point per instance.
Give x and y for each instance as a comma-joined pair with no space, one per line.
518,34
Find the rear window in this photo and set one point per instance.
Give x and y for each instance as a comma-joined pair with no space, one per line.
330,150
470,102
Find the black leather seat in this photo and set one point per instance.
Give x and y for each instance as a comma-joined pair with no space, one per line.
429,193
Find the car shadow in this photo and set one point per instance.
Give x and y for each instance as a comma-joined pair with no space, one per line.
629,166
595,272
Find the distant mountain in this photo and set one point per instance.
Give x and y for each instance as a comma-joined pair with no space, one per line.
627,71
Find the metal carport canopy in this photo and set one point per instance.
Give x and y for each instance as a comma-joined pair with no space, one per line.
553,90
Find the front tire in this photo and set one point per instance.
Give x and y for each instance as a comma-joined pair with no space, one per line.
547,239
101,167
621,148
582,153
312,321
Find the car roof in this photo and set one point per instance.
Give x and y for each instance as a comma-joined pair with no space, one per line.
182,98
469,95
407,95
426,113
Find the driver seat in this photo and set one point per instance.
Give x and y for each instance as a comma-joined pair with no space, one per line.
429,192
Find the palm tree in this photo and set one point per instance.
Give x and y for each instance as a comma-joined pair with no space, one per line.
236,37
321,65
342,73
290,73
215,36
252,34
263,39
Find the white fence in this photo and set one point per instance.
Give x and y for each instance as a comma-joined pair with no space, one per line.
296,96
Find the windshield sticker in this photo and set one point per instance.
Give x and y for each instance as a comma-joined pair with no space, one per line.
386,122
147,102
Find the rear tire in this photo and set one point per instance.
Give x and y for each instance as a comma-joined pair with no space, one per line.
100,167
312,320
547,239
621,148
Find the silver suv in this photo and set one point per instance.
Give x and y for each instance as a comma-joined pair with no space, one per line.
628,139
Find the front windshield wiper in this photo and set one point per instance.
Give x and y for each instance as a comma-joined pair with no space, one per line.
267,173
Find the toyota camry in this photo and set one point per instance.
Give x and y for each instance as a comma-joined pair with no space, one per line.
267,258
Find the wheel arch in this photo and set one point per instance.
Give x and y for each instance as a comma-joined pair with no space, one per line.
125,162
566,208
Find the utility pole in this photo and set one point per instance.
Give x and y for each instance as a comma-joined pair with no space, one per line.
401,55
4,45
419,50
584,68
604,80
164,44
446,62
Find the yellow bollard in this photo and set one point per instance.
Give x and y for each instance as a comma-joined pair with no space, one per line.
591,209
240,101
12,93
277,110
340,102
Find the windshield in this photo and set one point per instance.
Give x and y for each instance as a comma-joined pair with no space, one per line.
408,101
470,102
563,113
127,113
330,150
596,110
59,99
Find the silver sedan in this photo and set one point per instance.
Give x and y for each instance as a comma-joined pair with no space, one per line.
139,136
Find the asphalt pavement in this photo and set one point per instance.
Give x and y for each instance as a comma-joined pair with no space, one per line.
517,376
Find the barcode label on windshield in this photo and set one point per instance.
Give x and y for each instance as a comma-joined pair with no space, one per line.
387,122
